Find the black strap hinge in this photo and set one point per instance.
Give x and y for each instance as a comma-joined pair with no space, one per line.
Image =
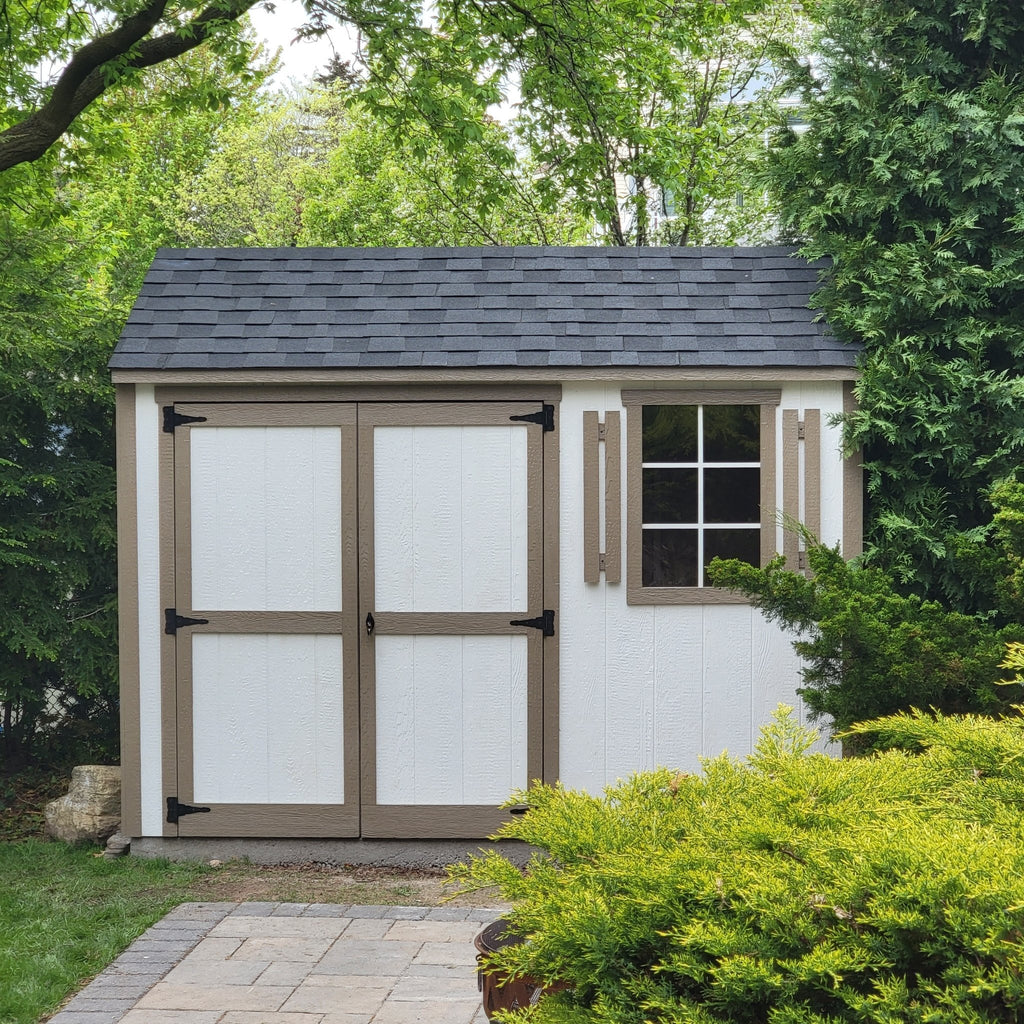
545,418
176,810
544,622
174,419
173,621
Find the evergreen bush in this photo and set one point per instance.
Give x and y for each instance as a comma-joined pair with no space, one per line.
792,888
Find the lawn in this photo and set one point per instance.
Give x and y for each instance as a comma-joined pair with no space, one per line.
65,912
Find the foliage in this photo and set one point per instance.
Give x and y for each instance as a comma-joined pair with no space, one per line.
73,247
319,169
790,888
868,649
907,178
59,58
65,914
622,105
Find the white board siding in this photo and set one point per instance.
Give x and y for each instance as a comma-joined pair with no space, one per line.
267,719
451,719
147,434
266,518
642,686
450,518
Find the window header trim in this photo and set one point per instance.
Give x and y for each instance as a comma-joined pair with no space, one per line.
702,396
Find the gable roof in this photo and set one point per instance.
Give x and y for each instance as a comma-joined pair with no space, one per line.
477,307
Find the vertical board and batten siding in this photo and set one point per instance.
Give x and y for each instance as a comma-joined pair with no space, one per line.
153,743
648,685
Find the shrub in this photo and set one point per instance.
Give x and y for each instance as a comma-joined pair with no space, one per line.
788,888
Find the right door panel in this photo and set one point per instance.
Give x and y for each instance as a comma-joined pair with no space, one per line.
451,558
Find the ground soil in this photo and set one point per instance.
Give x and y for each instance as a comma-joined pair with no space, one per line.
240,881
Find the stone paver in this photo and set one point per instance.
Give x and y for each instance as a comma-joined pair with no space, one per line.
293,963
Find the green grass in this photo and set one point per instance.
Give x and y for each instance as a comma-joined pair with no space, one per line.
65,913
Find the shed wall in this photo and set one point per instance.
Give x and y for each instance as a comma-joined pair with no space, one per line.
642,686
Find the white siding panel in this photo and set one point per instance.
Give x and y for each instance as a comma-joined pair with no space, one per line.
441,492
678,687
727,674
147,434
451,719
267,719
266,518
629,694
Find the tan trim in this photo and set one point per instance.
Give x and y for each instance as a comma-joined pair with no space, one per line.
452,623
812,471
549,648
853,489
612,498
701,396
335,820
685,595
268,414
323,392
429,821
320,623
169,695
769,480
298,821
591,500
790,486
128,612
634,400
487,375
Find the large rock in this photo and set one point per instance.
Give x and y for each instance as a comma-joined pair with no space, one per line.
91,810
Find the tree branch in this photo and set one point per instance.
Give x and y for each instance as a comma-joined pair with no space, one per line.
90,72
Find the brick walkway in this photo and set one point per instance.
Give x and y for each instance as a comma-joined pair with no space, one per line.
292,963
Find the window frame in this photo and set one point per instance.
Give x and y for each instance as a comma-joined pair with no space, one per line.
768,400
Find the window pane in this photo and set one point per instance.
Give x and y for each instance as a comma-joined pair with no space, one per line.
670,433
732,433
670,558
742,544
670,496
732,495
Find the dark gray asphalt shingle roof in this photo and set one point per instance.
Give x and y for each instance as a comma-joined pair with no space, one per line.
476,307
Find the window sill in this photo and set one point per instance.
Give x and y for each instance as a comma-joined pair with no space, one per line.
684,595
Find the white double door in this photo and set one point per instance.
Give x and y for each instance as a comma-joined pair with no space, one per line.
359,622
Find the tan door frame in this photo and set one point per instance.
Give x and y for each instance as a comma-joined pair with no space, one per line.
445,820
296,820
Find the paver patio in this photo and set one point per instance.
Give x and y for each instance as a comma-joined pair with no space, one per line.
293,963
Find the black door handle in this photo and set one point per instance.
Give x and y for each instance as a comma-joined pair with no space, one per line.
369,623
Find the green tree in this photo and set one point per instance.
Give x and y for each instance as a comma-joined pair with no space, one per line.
93,48
620,104
77,231
319,169
908,178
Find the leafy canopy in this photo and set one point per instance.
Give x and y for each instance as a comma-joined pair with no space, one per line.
908,178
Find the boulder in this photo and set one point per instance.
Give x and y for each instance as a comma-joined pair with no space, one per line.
91,810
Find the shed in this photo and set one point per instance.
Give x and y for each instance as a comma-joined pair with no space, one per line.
402,530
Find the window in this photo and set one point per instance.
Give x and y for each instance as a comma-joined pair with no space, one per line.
701,484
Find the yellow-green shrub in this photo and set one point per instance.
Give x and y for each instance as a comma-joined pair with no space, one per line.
788,888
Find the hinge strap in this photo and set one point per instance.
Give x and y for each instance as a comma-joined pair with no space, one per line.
544,622
173,621
174,419
176,810
545,418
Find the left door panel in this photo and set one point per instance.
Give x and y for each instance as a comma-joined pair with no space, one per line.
267,673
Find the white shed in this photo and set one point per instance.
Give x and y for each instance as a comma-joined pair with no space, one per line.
402,530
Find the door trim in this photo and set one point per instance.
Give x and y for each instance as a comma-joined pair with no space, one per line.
450,820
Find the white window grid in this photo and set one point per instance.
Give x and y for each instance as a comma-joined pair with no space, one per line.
700,525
